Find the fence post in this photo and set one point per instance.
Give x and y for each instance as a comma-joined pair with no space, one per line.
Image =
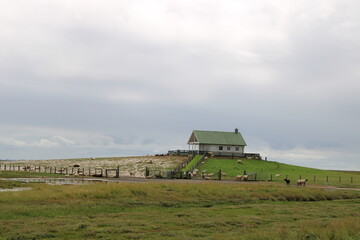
327,178
5,167
351,179
118,172
314,178
300,176
271,177
219,173
339,179
147,172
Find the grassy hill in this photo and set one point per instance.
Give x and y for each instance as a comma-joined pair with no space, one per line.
267,170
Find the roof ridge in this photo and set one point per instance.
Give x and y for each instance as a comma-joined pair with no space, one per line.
213,131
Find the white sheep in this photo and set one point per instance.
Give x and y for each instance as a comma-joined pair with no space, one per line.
277,175
242,177
239,161
301,182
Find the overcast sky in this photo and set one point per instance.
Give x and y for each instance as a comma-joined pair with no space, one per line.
91,78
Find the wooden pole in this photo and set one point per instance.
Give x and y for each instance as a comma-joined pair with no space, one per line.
314,178
351,180
118,172
327,178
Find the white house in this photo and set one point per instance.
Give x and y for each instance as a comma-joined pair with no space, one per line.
219,143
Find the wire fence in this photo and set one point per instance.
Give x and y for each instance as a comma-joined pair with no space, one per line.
171,174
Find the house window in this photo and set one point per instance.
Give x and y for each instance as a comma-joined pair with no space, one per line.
237,148
228,148
220,148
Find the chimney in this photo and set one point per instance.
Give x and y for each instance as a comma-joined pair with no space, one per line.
236,130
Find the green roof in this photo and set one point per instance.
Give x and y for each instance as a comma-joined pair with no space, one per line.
218,138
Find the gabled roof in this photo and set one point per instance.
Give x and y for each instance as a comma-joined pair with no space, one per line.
218,138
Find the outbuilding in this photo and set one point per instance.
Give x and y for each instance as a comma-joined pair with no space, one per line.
218,143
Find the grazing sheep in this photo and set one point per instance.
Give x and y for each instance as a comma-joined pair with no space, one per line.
76,165
242,177
301,182
132,174
287,181
207,178
277,175
240,161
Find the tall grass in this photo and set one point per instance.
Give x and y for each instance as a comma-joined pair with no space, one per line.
150,193
178,211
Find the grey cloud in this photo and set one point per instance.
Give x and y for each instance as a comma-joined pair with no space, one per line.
134,83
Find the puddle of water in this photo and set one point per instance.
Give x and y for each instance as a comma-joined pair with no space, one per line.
15,189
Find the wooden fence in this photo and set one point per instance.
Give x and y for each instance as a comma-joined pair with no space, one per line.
75,171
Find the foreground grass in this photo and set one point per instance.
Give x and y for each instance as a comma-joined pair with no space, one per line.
267,170
179,211
10,184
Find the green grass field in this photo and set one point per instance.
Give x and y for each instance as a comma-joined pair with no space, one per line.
267,169
205,210
191,163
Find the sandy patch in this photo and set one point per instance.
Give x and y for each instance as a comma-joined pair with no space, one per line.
127,164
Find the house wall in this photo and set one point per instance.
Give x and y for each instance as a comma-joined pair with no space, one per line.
216,148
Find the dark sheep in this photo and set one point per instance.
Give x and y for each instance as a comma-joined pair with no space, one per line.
287,181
